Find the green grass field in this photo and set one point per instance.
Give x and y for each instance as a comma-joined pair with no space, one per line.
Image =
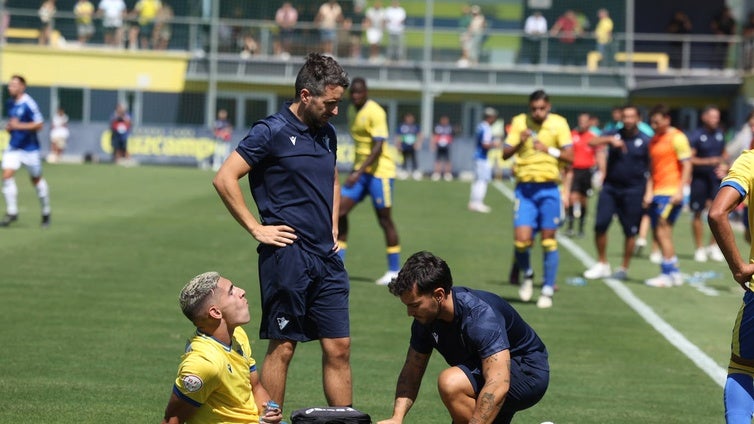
93,332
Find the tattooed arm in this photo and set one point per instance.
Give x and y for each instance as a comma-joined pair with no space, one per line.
497,376
407,388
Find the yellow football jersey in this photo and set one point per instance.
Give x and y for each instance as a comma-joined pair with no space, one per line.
533,166
366,125
215,378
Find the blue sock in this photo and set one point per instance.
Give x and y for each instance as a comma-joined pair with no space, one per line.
551,262
738,397
394,258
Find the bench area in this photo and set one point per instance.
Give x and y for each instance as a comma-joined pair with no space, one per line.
30,34
661,59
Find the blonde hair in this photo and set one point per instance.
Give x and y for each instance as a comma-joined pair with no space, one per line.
195,294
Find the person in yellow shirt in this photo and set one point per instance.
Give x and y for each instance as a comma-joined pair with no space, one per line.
541,142
217,379
84,10
603,33
373,174
145,12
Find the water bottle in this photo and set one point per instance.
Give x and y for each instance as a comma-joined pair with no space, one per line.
271,406
575,281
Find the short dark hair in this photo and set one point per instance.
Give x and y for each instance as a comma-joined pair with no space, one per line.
660,109
424,269
631,106
539,95
708,108
20,78
318,72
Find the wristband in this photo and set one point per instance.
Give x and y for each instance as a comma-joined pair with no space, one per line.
554,152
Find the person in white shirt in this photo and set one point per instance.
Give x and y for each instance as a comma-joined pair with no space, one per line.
375,24
395,24
535,29
112,13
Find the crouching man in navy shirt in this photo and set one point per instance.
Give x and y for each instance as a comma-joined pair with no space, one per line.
498,364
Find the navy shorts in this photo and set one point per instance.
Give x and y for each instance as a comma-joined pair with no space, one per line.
530,376
624,202
703,188
304,295
443,153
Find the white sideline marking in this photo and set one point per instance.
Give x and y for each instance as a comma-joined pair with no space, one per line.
690,350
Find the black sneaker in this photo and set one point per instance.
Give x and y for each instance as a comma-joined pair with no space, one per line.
46,221
8,219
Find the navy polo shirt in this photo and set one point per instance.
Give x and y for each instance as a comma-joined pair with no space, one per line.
629,168
483,324
292,176
707,143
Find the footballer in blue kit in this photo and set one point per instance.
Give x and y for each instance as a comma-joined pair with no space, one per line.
492,352
290,159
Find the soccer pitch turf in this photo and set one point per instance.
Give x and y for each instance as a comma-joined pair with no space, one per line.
93,331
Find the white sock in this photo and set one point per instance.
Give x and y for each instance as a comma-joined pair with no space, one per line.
43,192
10,192
478,191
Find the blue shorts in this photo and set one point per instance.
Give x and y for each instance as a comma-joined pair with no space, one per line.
327,34
703,188
624,202
530,376
537,206
304,296
379,189
662,208
742,345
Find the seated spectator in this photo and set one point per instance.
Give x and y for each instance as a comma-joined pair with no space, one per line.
249,46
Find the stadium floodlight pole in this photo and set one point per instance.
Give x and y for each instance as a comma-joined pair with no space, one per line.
427,91
211,105
630,19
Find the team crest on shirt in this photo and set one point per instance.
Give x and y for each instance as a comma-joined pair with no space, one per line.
293,139
638,142
436,337
192,383
326,140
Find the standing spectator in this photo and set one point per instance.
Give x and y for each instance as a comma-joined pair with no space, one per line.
59,134
541,142
203,391
709,166
373,174
395,24
120,129
442,139
724,25
472,38
578,180
249,46
567,29
485,141
84,11
679,25
223,131
112,12
46,16
290,160
748,35
535,30
603,33
497,363
286,19
374,23
670,170
24,121
162,28
329,16
146,12
354,23
738,394
624,187
409,141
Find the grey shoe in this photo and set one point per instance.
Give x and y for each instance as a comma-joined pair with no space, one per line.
620,274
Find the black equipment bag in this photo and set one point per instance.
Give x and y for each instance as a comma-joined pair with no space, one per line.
329,415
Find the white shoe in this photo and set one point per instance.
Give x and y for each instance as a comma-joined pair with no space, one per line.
479,207
435,176
700,255
715,253
417,175
526,290
598,270
448,177
544,302
655,257
387,278
664,280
